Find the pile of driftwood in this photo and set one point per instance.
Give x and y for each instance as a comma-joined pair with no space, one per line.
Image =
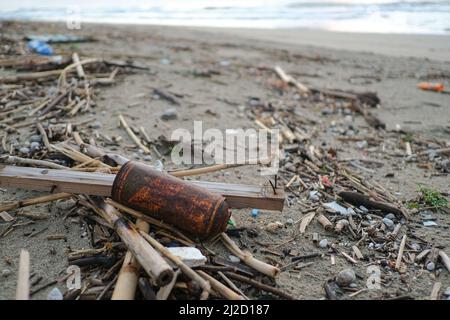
130,250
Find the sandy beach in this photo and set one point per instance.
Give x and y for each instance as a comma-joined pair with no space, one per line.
235,63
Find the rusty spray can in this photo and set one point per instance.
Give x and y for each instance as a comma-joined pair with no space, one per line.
188,207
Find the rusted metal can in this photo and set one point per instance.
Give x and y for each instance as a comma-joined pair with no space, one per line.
190,208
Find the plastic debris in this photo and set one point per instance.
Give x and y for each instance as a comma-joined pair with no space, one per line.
323,243
314,195
431,86
55,294
234,259
336,207
255,213
40,47
59,38
190,255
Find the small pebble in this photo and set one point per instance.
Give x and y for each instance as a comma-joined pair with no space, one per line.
347,111
96,125
234,258
55,294
165,61
148,158
327,111
6,273
447,292
431,266
323,243
273,227
345,277
363,209
35,146
24,150
388,223
169,114
390,216
35,138
136,155
289,222
66,204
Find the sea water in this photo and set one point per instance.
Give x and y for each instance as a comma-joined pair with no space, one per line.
380,16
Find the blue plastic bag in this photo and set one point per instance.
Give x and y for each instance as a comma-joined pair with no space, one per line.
40,47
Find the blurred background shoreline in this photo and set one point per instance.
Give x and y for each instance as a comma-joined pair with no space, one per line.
366,16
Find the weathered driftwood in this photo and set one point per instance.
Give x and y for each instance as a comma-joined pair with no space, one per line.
290,80
359,199
91,183
400,253
248,258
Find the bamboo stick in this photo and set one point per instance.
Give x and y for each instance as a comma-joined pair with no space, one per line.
164,291
400,253
232,285
130,132
204,284
127,280
325,222
248,258
32,201
444,259
33,162
155,266
221,288
79,67
435,291
23,278
197,171
260,285
147,219
44,136
290,80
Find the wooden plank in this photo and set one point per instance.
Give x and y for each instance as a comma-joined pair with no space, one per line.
100,184
52,180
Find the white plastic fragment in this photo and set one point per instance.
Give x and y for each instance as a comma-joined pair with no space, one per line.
190,255
429,224
55,294
336,207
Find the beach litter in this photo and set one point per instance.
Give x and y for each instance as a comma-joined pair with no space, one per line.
141,216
